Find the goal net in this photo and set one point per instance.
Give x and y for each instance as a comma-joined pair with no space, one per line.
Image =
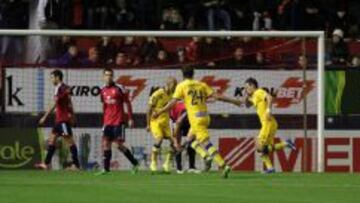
289,65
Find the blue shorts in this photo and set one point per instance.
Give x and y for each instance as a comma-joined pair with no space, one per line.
115,132
62,129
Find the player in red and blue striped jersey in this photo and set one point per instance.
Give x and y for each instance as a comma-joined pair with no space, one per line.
64,120
114,97
181,129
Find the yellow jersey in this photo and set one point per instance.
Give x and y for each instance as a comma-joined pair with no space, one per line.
194,94
258,99
158,100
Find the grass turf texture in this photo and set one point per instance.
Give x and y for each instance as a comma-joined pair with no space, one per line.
122,187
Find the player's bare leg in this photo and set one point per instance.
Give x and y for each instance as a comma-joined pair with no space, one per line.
74,151
50,152
154,155
106,146
128,154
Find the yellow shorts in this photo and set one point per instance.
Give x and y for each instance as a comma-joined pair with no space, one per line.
160,130
267,133
199,128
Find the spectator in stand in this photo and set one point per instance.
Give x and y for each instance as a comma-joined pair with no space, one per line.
313,19
284,15
340,20
210,51
121,60
180,56
107,50
131,50
210,48
14,14
171,19
77,21
162,58
260,59
62,46
262,19
216,11
58,13
92,60
193,49
100,14
150,50
355,62
191,12
248,45
69,59
145,12
241,14
302,62
354,8
125,18
339,51
237,61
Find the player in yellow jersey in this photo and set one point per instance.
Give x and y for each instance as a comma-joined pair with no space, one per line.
262,101
195,95
160,126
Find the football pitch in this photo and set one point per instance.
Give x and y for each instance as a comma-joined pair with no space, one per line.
123,187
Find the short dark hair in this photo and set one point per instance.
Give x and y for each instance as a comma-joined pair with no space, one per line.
108,70
58,73
188,72
252,81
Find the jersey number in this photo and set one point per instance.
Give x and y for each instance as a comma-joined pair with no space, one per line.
197,97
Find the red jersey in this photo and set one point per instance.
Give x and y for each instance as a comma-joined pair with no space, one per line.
177,111
113,97
63,106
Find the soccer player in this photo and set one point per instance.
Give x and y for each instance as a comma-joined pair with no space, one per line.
262,101
113,97
181,129
195,95
160,126
64,120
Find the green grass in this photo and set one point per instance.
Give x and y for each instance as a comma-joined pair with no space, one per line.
122,187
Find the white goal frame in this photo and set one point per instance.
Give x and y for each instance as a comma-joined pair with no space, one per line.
318,35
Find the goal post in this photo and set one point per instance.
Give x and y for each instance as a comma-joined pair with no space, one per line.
319,36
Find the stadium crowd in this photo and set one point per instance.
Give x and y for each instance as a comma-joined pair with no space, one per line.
340,19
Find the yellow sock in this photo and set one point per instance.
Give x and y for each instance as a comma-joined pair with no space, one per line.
215,154
277,147
267,161
168,157
280,145
195,145
154,154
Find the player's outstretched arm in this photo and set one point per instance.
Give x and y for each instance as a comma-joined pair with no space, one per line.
166,108
226,99
47,113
